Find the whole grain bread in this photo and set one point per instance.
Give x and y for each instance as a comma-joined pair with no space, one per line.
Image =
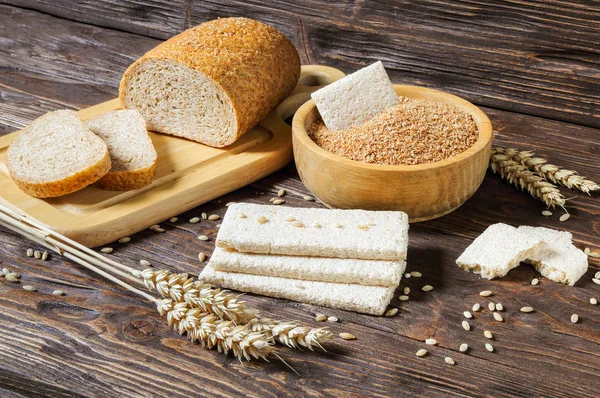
213,82
497,250
322,269
56,155
132,154
559,260
351,297
357,234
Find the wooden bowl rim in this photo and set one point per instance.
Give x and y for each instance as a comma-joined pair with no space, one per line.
484,127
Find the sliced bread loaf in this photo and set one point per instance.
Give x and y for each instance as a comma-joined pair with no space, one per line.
559,260
497,250
132,153
323,269
358,234
56,155
365,299
213,82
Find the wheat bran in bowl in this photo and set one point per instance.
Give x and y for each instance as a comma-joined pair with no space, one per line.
413,132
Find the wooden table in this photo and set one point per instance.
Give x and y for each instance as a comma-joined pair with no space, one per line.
534,68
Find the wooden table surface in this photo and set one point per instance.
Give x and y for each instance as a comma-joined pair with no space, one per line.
533,67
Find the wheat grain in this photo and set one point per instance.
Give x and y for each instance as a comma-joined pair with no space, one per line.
29,253
498,317
194,220
308,198
485,293
421,352
406,290
58,292
468,315
594,254
347,336
213,217
37,254
44,256
278,201
154,226
391,312
332,319
212,332
546,213
320,317
564,217
281,192
407,275
416,274
526,309
125,239
203,237
463,347
173,219
427,288
12,277
449,360
144,263
476,307
466,325
535,281
596,281
520,176
29,288
499,307
488,334
593,301
491,306
104,250
550,172
204,216
597,275
403,297
430,341
290,333
201,257
574,318
489,347
180,287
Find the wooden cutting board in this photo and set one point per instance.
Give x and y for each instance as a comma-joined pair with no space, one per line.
187,174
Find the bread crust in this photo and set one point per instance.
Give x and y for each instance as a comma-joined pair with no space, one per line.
67,185
255,65
127,179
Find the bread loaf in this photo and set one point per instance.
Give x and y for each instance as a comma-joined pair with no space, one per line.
132,154
56,155
214,82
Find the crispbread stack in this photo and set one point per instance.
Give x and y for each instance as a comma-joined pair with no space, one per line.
346,259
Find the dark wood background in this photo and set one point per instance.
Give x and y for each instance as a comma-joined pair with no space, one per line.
534,68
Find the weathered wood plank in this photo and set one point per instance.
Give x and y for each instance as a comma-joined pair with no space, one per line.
524,56
103,341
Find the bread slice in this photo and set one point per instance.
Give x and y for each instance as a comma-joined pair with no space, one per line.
132,154
322,269
213,82
356,98
56,155
357,234
497,250
365,299
559,260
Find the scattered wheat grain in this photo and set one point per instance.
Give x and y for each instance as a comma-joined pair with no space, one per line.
574,318
106,250
204,216
173,219
488,334
278,201
262,220
498,317
416,274
145,263
320,318
12,277
485,293
466,325
29,252
421,352
159,230
203,237
564,217
535,281
593,301
407,275
546,213
201,257
489,347
406,290
430,341
308,198
449,360
195,220
468,315
213,217
476,307
29,288
526,309
58,292
499,307
427,288
403,297
596,281
491,306
332,319
463,347
594,254
281,192
37,254
44,256
587,250
347,336
391,312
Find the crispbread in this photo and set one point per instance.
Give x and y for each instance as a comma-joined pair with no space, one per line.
497,250
358,234
132,154
559,260
356,98
365,299
364,272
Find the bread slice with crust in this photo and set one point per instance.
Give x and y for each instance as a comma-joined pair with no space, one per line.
56,155
132,153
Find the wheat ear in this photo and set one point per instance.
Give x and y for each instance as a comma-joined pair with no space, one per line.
211,332
525,179
180,287
291,334
551,172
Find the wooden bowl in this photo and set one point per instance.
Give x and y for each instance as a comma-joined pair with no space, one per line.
423,191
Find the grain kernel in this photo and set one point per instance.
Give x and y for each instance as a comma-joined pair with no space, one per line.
125,239
449,360
406,290
466,325
526,309
145,263
546,213
485,293
488,334
281,192
201,257
58,292
213,217
476,307
498,317
427,288
29,288
468,315
416,274
489,347
430,341
593,301
463,347
332,319
203,237
347,336
173,219
29,252
403,297
574,318
391,312
320,318
106,250
194,220
421,352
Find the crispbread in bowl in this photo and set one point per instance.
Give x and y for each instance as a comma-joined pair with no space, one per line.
424,191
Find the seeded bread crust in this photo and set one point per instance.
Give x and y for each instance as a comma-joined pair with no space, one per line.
67,185
253,64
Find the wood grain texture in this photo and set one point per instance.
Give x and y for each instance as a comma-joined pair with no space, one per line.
525,56
99,340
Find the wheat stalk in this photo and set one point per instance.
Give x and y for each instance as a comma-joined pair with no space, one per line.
180,287
550,172
291,334
211,332
525,179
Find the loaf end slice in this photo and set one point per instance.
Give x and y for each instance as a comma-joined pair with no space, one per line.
132,153
351,297
497,250
56,155
559,260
